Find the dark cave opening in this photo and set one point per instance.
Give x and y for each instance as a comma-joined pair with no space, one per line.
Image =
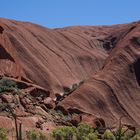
137,70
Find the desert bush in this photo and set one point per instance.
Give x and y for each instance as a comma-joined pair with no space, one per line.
7,84
57,134
64,133
34,135
81,82
42,136
82,132
3,134
136,136
92,136
85,132
68,90
108,135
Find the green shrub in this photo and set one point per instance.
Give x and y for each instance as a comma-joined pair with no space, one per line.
42,136
7,84
108,135
138,132
81,82
66,133
136,137
67,90
34,135
73,87
3,134
58,134
92,136
83,130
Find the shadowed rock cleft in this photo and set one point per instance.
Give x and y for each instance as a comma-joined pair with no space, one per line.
136,40
137,70
1,29
4,54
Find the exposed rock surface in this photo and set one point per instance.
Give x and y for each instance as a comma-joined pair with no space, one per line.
114,90
47,62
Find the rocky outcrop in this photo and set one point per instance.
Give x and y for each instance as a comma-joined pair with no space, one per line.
114,91
50,58
48,63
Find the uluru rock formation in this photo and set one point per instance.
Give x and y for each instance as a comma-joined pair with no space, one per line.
92,70
114,90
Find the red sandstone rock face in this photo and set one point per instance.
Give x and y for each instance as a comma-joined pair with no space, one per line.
113,92
51,58
104,57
